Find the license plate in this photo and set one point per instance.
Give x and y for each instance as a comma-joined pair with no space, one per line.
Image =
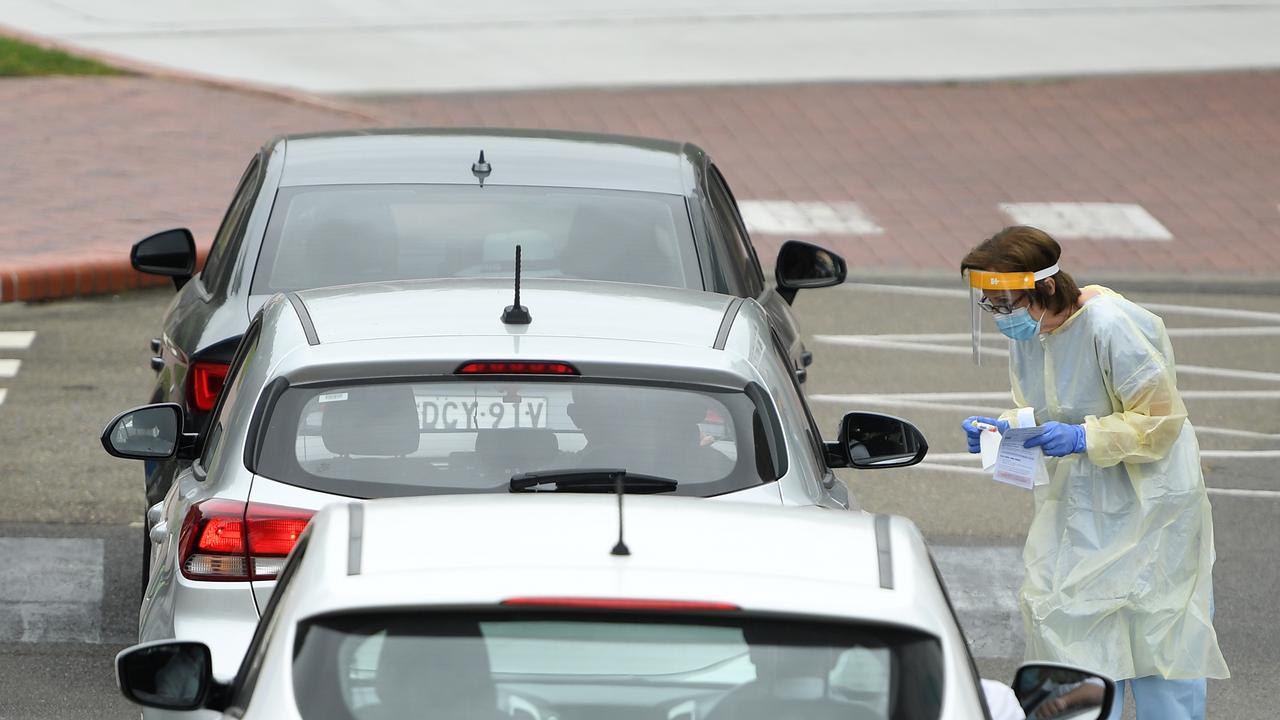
470,412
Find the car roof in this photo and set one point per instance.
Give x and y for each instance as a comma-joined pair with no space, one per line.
474,307
537,158
480,550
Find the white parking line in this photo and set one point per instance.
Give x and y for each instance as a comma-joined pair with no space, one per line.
9,368
784,217
1093,220
16,339
3,392
911,399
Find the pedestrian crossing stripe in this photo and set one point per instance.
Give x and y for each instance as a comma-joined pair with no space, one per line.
16,339
784,217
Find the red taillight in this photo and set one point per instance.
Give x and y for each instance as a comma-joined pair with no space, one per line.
229,540
505,367
620,604
206,380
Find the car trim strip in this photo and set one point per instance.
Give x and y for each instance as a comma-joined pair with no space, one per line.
307,326
356,540
884,552
731,312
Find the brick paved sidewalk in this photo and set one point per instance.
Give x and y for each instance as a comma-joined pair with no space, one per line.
88,166
931,163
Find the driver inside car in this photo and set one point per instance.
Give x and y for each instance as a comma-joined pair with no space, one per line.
657,435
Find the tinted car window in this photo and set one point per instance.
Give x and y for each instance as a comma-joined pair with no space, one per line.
403,438
488,665
740,254
336,235
210,454
232,225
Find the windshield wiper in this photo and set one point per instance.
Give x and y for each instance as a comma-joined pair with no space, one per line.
604,480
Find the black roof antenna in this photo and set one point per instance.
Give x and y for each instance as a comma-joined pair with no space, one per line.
621,547
481,169
517,314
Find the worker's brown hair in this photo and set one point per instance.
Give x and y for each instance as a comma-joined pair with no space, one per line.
1022,248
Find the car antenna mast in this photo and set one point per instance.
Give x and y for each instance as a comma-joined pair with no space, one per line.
517,314
621,548
481,169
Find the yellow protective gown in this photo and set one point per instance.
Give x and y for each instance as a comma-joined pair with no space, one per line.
1120,551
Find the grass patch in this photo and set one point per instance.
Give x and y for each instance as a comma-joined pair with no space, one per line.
19,59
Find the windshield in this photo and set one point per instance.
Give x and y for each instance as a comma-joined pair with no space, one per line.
468,435
342,234
589,666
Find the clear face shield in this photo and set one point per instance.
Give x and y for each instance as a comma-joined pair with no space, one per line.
998,293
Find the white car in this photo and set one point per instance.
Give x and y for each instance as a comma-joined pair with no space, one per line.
581,607
422,388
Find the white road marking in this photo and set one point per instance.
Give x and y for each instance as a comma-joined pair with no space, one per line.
3,392
1232,492
1097,220
51,590
784,217
1200,310
9,368
1205,311
16,339
1187,332
1232,432
910,399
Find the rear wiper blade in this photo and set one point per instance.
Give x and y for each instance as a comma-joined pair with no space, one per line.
591,480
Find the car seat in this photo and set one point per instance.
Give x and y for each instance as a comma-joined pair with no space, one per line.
378,424
438,677
353,246
503,452
618,243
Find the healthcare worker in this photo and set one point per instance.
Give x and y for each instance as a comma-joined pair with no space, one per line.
1119,556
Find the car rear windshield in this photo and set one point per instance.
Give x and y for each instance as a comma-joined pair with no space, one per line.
596,665
399,438
342,234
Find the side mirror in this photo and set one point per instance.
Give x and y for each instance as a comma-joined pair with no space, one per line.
1050,690
875,441
167,674
803,265
171,253
151,432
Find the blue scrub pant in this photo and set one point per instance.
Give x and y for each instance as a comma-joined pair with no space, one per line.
1160,699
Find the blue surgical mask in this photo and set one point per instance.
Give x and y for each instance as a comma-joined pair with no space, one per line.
1018,325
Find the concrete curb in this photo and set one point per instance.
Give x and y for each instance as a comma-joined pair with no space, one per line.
60,279
137,67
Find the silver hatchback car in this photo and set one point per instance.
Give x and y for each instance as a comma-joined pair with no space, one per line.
431,387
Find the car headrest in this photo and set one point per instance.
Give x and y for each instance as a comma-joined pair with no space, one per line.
524,449
376,420
424,676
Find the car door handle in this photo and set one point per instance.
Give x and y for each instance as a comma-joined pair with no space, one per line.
154,513
159,532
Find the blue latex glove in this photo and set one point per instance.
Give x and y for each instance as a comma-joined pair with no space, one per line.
1059,439
974,435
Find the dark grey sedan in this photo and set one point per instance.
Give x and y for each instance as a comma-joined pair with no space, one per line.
350,207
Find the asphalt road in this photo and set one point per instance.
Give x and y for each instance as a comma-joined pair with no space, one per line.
69,526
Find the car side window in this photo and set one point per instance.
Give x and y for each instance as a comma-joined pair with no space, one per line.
220,253
210,454
811,429
742,254
247,677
